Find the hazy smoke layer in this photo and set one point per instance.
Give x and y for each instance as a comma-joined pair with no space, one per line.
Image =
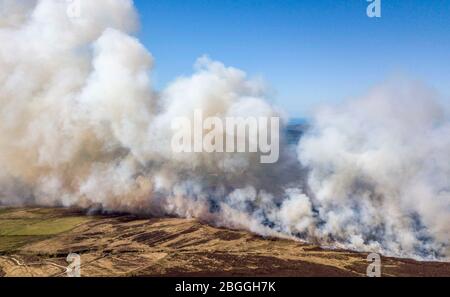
82,126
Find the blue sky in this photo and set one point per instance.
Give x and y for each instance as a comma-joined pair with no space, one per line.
310,52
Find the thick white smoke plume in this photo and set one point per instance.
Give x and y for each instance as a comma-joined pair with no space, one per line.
380,171
81,125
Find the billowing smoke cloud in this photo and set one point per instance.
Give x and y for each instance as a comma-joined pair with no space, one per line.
380,171
82,126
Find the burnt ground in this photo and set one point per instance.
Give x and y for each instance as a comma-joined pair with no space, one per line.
36,242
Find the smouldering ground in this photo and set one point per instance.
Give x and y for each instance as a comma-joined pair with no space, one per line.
36,242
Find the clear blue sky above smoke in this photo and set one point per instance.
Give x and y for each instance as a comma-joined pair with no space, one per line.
310,52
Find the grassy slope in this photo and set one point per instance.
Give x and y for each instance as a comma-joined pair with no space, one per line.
21,227
36,242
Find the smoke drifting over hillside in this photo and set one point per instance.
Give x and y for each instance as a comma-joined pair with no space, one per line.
82,126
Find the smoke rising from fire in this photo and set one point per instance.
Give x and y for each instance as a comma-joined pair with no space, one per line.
380,170
82,126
